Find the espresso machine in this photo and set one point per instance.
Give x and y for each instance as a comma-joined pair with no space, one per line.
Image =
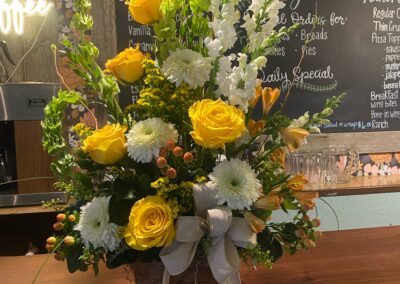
25,177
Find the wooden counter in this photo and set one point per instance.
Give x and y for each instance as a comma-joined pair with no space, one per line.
354,256
360,185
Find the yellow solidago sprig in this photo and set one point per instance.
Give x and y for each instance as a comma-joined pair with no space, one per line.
178,196
160,98
82,130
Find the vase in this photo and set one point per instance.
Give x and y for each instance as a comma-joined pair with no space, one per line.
152,273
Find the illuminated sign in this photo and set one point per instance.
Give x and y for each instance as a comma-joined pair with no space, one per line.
12,14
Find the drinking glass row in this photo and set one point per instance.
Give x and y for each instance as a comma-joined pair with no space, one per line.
328,166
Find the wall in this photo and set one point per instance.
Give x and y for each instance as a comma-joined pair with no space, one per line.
38,64
354,211
31,68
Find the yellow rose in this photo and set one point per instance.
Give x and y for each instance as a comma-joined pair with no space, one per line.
106,145
127,65
145,11
150,224
215,123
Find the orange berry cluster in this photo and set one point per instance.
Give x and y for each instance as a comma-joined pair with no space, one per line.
162,162
64,221
301,233
61,219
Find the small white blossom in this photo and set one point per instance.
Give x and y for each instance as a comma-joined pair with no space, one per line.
225,32
214,46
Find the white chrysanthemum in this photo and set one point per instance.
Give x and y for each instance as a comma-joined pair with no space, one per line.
237,184
185,65
147,137
95,227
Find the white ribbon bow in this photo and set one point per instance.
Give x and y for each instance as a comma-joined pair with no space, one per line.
224,231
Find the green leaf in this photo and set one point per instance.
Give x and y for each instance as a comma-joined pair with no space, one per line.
73,261
96,268
290,206
119,210
267,242
288,233
262,214
198,6
123,255
121,187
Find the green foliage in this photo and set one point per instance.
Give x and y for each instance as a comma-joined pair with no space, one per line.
268,242
123,255
119,210
53,140
257,255
321,118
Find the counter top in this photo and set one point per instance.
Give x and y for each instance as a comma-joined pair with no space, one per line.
360,185
354,256
24,210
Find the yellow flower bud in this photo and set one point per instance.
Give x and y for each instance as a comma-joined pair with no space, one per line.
255,127
294,137
269,97
255,223
272,201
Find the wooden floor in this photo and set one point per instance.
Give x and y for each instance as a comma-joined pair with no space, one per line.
354,256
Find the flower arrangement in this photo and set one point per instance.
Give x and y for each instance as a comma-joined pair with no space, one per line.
186,172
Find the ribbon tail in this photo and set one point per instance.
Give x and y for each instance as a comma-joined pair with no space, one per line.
178,257
241,234
166,277
224,261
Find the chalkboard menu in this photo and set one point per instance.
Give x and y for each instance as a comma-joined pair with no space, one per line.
355,49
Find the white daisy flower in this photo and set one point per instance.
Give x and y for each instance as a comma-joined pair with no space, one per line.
147,137
95,227
185,65
237,184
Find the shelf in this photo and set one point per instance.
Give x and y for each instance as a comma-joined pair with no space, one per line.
24,210
361,185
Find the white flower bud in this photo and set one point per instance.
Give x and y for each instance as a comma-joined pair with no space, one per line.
327,111
260,62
